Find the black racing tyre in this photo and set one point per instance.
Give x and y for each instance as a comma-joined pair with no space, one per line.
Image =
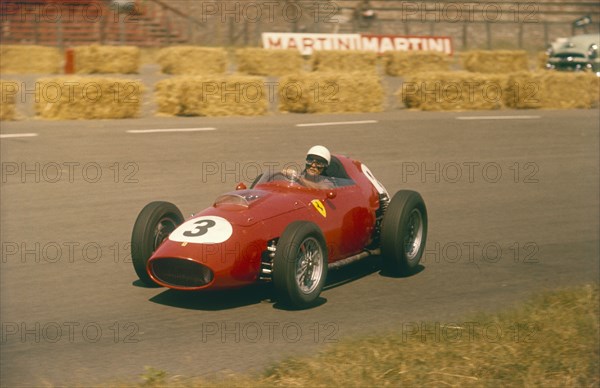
404,233
300,264
154,223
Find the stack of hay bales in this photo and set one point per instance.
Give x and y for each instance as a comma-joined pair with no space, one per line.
552,90
30,59
70,98
453,91
212,96
107,59
258,61
495,62
192,60
329,92
402,63
344,61
9,91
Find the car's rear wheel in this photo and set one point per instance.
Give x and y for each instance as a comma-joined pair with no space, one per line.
404,233
300,264
154,224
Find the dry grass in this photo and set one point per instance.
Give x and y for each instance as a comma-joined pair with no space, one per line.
258,61
495,62
192,60
212,96
552,341
75,97
329,92
399,63
30,59
9,90
94,59
344,61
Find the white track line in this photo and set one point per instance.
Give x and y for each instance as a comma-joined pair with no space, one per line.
497,117
337,123
170,130
14,135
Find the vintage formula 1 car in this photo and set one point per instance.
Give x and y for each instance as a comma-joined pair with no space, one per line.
283,232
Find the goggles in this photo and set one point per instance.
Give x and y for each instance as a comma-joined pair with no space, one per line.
317,163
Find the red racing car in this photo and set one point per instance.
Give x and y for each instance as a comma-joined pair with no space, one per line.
283,232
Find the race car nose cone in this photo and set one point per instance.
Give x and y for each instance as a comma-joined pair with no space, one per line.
181,273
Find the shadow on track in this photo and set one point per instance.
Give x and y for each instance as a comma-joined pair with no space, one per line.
263,292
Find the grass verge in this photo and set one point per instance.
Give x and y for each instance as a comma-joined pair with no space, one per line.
552,340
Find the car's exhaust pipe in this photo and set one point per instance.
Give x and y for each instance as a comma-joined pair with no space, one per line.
352,259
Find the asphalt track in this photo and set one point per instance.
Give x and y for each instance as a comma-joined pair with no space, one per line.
513,209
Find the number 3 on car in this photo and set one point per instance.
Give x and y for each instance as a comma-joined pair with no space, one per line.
203,230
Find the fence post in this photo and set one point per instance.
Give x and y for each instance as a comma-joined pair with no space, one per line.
121,29
520,35
36,31
59,34
69,61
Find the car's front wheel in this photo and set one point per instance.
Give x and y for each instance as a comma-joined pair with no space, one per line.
300,264
154,224
404,233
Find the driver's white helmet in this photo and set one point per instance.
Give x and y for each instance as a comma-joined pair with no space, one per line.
321,152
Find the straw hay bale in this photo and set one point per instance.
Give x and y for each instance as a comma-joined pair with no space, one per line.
453,91
74,97
107,59
328,92
9,90
30,59
192,60
553,90
400,63
541,60
258,61
495,62
212,96
352,60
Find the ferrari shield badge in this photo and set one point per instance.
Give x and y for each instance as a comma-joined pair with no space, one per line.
319,206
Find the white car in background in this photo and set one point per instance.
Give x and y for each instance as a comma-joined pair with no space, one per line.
577,53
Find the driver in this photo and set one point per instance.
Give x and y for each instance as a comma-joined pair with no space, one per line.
317,161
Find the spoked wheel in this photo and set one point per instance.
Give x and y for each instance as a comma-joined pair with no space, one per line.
404,233
153,225
300,264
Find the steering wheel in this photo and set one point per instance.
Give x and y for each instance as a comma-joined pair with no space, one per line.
289,175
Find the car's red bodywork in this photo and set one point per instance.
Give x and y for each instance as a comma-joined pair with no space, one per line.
346,216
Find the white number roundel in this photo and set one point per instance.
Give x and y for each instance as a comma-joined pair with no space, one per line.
203,230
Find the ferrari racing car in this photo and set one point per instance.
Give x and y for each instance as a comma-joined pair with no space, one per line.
281,231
